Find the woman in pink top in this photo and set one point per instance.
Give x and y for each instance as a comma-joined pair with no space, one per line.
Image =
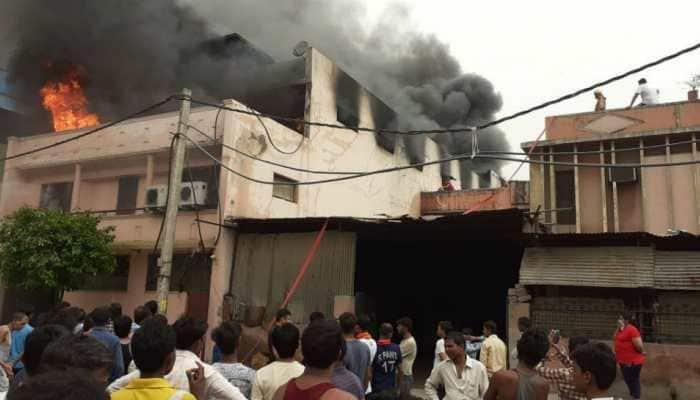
629,352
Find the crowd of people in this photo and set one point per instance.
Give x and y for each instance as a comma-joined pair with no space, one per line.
69,354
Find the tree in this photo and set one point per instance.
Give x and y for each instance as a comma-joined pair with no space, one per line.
50,250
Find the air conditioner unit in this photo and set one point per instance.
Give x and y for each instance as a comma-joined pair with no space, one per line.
622,175
156,197
192,191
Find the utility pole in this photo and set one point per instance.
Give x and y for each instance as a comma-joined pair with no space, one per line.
176,165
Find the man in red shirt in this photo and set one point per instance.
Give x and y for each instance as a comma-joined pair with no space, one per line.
629,353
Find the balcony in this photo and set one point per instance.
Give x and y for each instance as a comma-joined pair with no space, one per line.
515,195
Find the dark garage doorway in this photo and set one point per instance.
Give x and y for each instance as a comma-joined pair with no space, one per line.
431,279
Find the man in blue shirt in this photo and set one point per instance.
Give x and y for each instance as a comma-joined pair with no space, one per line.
385,365
100,318
20,330
472,344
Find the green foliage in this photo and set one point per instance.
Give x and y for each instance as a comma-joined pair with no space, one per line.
51,250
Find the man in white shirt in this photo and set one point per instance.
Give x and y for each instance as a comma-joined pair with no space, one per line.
284,340
190,335
594,370
442,329
648,94
462,377
363,335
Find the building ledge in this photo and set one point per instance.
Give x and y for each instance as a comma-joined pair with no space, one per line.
515,195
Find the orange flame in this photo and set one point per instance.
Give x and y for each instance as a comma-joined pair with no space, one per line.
67,103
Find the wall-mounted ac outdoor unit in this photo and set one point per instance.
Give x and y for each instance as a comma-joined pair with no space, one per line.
622,175
193,194
156,197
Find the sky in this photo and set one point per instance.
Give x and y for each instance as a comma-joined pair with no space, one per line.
537,51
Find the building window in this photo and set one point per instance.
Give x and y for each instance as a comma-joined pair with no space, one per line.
347,117
189,273
56,196
126,196
282,188
116,281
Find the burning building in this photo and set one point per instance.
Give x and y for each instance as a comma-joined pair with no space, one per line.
111,172
120,171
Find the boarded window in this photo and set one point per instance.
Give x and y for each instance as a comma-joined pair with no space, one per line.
126,197
56,196
566,197
116,281
190,273
283,190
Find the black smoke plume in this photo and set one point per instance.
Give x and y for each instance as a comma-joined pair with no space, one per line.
137,52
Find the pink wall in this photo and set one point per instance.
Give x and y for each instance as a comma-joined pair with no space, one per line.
590,192
629,197
685,212
656,201
135,295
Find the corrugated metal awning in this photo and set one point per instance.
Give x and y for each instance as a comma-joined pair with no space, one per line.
677,270
624,267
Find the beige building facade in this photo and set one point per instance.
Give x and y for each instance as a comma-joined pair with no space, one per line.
109,173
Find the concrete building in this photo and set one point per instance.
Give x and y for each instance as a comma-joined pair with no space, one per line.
619,238
591,200
109,173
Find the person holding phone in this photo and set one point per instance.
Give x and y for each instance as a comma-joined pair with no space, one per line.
629,353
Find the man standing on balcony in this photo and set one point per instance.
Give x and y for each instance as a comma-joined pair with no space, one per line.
648,94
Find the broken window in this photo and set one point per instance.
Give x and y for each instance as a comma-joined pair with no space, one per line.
287,102
566,197
282,190
484,179
347,100
56,196
126,196
347,117
116,281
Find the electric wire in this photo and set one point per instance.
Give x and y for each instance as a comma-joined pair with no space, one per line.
167,194
196,204
217,173
448,159
272,142
90,132
252,157
498,121
585,152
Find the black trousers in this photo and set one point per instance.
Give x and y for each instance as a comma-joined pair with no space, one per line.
631,373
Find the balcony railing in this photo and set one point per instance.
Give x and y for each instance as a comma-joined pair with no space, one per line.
515,195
